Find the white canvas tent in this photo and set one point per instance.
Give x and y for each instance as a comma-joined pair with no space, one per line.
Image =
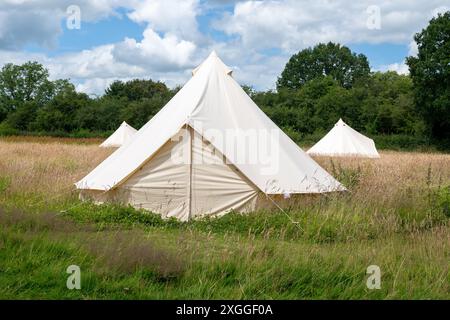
121,136
209,150
344,141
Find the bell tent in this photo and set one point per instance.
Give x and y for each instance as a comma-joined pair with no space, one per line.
344,141
121,136
210,150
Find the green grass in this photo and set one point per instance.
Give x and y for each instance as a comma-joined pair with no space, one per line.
257,256
210,266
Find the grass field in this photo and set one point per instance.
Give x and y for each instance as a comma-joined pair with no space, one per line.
395,215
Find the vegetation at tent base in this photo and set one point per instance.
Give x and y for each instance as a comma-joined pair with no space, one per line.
126,254
130,264
395,215
318,86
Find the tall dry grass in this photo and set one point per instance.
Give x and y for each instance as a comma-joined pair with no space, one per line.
48,139
395,172
46,166
50,166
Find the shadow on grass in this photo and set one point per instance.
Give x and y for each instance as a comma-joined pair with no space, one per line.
121,251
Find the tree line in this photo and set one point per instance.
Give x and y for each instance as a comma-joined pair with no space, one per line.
30,103
318,86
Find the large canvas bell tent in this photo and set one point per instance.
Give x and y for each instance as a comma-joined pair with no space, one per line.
344,141
121,136
209,150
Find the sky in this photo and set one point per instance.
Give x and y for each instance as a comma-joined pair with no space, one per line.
94,42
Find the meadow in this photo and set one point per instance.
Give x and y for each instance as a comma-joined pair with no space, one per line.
395,215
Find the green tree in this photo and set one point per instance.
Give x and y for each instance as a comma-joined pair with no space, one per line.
136,89
430,72
23,83
141,99
387,106
58,115
249,90
102,114
137,113
22,117
324,60
24,89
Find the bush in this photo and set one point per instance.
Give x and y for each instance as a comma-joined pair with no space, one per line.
4,183
85,133
402,142
311,139
293,134
443,200
7,130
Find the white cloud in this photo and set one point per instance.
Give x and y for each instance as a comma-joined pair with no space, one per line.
96,63
399,67
440,9
91,10
93,70
158,53
20,28
25,22
18,57
293,25
174,16
412,49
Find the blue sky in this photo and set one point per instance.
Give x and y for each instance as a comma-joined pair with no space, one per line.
164,40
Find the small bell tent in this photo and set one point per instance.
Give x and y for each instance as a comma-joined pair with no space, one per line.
344,141
121,136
